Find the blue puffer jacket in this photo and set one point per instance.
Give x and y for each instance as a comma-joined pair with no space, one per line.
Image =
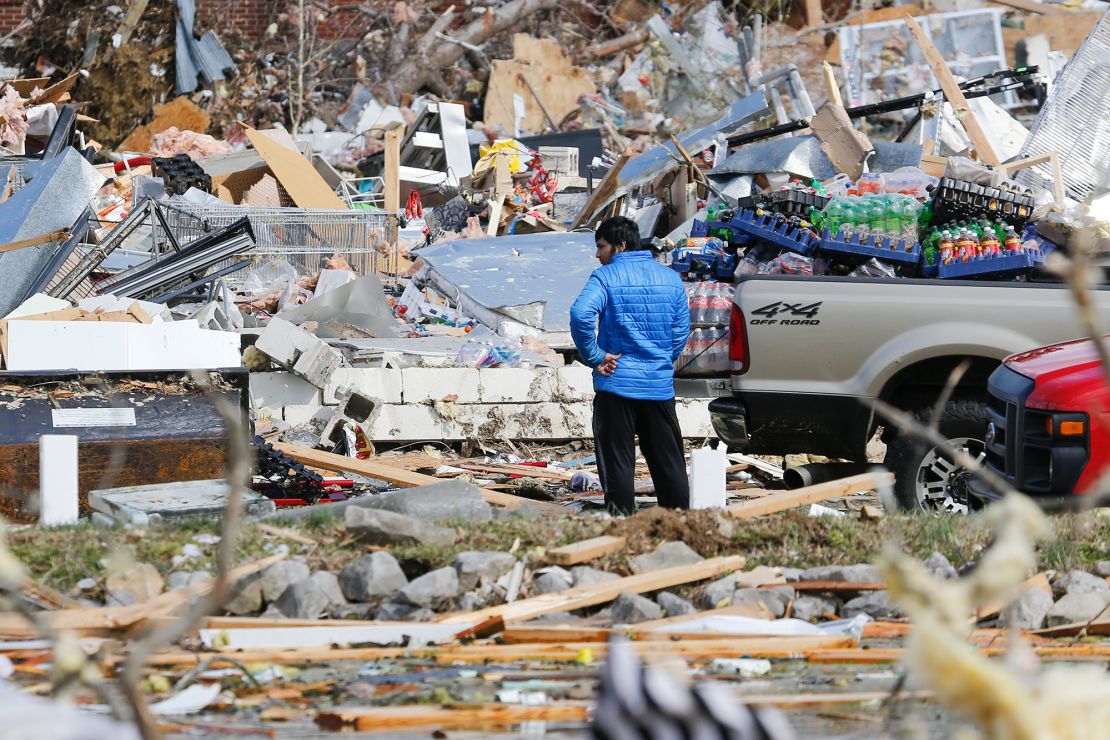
644,317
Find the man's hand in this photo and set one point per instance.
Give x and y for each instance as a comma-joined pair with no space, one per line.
609,365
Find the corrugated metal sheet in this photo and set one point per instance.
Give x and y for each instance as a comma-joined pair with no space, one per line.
205,57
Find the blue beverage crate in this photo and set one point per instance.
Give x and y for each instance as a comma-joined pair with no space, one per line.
767,229
717,266
888,250
1006,266
701,229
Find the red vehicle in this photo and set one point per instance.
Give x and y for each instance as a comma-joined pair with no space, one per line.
1049,428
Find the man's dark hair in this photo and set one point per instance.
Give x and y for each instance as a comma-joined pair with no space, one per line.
619,230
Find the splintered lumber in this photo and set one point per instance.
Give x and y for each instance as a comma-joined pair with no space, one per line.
1100,626
377,719
809,495
97,620
952,93
603,193
600,593
585,551
399,476
562,652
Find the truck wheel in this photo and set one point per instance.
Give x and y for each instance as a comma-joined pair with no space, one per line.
925,480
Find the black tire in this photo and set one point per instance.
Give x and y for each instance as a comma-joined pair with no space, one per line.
919,481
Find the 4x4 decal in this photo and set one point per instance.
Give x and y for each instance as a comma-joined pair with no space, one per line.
789,312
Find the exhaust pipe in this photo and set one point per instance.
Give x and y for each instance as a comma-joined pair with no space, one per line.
808,475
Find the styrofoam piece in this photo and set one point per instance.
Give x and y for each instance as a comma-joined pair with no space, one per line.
422,384
707,478
36,304
373,382
58,503
141,505
92,346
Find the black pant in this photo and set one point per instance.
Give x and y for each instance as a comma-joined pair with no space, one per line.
617,421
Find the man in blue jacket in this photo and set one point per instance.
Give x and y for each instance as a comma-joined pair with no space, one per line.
639,311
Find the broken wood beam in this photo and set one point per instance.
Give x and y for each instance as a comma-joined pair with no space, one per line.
604,192
613,46
399,476
809,495
585,551
600,593
378,719
953,94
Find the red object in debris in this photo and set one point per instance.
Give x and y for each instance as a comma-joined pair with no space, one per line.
133,162
415,206
644,80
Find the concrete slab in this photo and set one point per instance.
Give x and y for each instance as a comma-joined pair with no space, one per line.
422,384
277,389
372,382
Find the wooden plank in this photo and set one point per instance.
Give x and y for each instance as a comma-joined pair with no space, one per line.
832,586
392,171
525,470
1100,626
399,476
603,193
1053,158
53,236
131,20
831,87
27,86
815,15
1031,6
809,495
600,593
1040,580
1096,653
295,173
755,462
952,93
585,551
287,534
382,719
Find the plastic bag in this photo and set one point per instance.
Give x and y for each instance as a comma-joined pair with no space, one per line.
908,181
873,268
267,277
788,263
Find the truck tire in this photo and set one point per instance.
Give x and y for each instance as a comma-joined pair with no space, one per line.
925,480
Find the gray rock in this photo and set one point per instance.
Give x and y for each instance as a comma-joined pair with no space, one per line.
674,606
584,575
667,555
939,566
433,590
791,574
554,617
775,599
353,611
630,608
812,608
862,573
474,566
246,597
471,601
449,501
138,582
1077,607
1079,582
272,612
329,584
552,579
877,604
379,527
393,611
372,577
1028,612
1102,568
718,593
280,576
305,599
181,579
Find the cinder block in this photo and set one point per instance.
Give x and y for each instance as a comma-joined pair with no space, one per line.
517,385
317,363
372,382
422,384
409,422
575,383
297,415
283,341
277,389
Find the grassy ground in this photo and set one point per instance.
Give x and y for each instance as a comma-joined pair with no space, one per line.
64,556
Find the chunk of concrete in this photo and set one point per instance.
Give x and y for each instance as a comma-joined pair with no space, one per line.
1079,582
674,606
630,608
552,579
380,527
300,352
372,577
1028,611
305,599
812,608
718,593
876,604
472,601
667,555
862,573
433,590
246,596
584,575
1077,607
451,500
328,583
775,599
473,566
280,576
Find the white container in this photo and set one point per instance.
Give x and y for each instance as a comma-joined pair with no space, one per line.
707,478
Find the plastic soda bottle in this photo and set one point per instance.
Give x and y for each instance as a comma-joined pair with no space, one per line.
990,245
1013,241
966,246
947,246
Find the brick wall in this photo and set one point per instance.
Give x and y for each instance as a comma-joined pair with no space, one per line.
11,13
251,17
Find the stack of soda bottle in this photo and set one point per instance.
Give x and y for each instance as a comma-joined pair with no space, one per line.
871,216
969,240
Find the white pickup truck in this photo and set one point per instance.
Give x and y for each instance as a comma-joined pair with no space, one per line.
809,354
